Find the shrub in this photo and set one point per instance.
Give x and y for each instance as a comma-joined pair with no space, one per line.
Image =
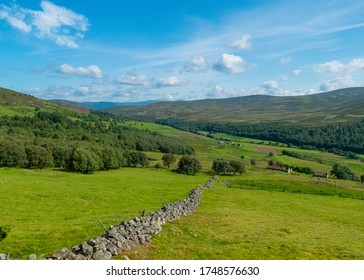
12,154
188,165
4,231
168,159
237,166
81,160
221,165
342,171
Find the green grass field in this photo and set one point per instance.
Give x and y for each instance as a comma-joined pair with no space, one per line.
264,215
48,210
239,224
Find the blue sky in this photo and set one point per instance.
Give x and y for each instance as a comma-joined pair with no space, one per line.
168,50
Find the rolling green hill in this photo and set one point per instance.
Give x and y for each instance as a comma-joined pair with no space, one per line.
16,103
340,106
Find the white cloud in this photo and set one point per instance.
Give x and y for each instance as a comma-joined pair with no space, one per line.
339,82
16,20
135,79
296,72
243,43
336,66
172,81
92,71
230,64
273,88
197,64
332,66
85,90
343,73
218,91
59,24
286,60
355,65
33,91
169,97
302,92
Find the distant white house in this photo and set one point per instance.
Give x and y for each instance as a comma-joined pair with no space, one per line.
280,168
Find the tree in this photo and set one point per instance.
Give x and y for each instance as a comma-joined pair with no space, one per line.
12,154
221,165
342,171
136,158
362,178
237,166
188,165
110,159
168,159
61,154
253,162
81,160
38,157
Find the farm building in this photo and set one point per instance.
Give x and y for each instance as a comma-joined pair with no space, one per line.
279,168
321,175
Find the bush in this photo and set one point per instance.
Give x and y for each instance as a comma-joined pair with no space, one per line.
237,166
81,160
168,159
4,231
342,171
188,165
221,165
12,154
38,157
136,158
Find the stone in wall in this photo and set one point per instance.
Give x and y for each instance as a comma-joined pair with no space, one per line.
3,257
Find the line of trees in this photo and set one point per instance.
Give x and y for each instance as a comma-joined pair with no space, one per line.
82,158
223,166
342,139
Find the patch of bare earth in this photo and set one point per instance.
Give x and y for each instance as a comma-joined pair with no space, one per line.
264,150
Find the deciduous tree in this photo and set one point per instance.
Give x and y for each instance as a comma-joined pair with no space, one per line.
188,165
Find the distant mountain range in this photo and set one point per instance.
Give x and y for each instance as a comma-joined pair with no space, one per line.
104,105
339,106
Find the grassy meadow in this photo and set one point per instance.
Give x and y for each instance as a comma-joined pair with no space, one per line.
257,215
250,224
48,210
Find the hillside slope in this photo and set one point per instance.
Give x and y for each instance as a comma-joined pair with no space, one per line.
340,106
16,103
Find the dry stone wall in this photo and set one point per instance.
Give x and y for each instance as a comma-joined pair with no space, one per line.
137,231
4,257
